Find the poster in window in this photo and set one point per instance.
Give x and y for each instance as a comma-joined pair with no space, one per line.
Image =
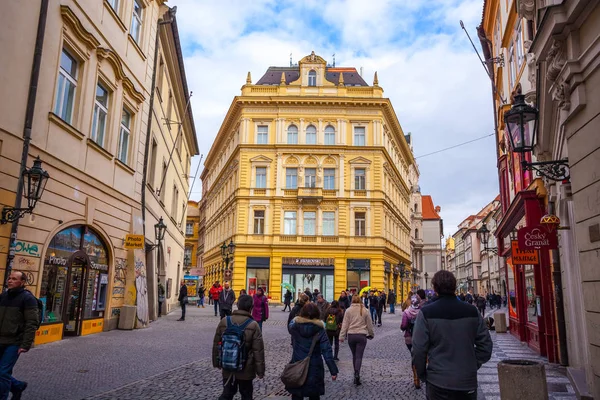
251,286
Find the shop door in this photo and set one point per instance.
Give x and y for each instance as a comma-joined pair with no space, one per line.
74,296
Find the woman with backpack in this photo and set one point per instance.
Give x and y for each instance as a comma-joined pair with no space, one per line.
305,329
260,311
334,316
358,326
409,317
287,300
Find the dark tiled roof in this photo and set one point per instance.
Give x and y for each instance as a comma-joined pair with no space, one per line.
273,76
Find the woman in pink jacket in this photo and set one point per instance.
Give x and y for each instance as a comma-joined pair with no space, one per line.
409,317
260,311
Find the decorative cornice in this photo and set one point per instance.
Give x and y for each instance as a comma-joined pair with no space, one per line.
527,9
117,65
77,27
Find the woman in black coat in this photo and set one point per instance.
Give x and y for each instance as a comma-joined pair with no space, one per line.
303,329
287,300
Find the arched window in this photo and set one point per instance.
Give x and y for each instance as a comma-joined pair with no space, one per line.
311,135
329,135
292,134
312,78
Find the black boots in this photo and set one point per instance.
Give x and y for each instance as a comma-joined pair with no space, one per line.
357,378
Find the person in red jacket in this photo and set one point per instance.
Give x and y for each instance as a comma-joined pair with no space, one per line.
214,292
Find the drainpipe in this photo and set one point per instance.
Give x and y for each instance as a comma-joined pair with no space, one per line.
29,111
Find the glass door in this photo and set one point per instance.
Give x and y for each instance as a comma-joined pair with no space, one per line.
73,304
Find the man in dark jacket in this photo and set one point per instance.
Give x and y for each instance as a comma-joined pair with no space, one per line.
453,336
391,300
182,300
383,299
481,305
226,300
373,306
255,361
19,320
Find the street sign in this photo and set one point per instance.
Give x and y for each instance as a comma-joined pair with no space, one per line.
537,238
523,257
134,241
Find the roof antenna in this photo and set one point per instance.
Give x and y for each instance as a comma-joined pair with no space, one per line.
291,60
333,60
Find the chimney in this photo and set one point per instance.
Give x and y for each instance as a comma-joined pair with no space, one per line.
438,209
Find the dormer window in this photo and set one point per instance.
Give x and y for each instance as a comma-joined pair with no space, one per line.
312,78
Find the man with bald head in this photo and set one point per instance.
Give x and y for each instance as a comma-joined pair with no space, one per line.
19,320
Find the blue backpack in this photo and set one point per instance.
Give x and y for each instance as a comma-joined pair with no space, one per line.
232,349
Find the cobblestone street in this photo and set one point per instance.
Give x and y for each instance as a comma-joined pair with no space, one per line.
171,360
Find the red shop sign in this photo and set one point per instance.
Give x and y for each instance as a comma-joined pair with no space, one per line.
537,238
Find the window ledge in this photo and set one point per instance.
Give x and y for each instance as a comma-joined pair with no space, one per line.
115,16
136,46
124,166
99,149
65,125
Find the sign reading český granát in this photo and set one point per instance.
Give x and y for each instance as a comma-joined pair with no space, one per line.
537,238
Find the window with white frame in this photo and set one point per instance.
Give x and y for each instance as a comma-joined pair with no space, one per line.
360,224
328,223
261,177
310,223
189,228
289,222
136,20
291,178
519,44
292,134
359,135
311,135
360,179
312,78
259,222
100,115
66,87
329,135
262,135
114,4
310,177
124,133
512,65
329,178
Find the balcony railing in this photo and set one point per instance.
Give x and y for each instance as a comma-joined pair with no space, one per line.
290,192
329,193
309,239
310,193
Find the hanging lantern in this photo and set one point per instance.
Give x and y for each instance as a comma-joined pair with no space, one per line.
550,222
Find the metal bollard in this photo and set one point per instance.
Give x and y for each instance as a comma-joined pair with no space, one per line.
522,379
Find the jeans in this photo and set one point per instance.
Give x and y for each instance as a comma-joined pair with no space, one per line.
182,303
224,313
357,343
482,311
259,325
393,308
231,386
379,311
8,358
436,393
202,301
373,312
216,306
334,339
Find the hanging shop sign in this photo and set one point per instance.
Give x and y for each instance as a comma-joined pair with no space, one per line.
134,241
537,238
523,257
325,262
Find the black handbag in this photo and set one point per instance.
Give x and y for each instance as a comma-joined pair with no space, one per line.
294,374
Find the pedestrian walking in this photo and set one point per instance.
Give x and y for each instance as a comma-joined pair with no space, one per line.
241,321
469,296
383,298
322,304
242,292
201,294
309,294
300,302
19,319
448,361
481,305
260,311
392,301
380,306
344,300
358,327
306,328
161,296
373,305
183,299
406,302
214,293
287,300
409,317
365,299
463,298
334,316
226,300
314,295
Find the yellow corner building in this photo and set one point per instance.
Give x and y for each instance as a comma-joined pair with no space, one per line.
308,176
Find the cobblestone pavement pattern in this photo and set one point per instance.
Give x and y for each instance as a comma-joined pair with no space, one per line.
171,360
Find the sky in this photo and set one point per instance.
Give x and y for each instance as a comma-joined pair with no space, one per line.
424,61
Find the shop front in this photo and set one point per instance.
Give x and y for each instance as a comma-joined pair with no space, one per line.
257,274
311,273
358,274
74,285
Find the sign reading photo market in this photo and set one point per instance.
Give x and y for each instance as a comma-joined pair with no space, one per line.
537,238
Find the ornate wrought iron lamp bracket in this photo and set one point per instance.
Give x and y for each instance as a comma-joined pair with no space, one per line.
553,170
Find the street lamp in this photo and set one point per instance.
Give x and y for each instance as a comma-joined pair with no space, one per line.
484,237
426,275
227,251
522,123
402,270
159,234
35,179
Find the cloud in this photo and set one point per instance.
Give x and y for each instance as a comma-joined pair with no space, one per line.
425,64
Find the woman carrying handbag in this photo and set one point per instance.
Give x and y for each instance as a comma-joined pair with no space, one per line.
358,326
310,342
